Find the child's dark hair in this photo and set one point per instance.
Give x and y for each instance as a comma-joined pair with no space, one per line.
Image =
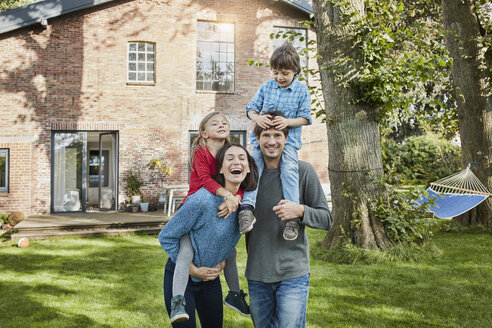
251,180
286,57
258,129
199,141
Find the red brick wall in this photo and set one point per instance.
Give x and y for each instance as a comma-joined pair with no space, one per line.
20,177
75,72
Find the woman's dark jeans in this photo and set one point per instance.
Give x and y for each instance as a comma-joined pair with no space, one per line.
205,297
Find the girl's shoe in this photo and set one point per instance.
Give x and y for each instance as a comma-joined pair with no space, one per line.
178,312
237,302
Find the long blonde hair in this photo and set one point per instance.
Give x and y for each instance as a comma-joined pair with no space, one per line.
199,141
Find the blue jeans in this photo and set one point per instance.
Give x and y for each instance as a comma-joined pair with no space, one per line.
205,297
280,304
289,174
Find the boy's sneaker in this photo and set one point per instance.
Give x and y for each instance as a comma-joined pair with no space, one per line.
290,233
246,221
237,302
178,312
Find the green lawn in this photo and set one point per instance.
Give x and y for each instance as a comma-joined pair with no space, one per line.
117,282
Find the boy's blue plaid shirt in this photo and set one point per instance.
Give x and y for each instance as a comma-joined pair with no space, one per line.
294,101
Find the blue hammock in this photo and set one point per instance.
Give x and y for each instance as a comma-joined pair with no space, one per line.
455,194
448,205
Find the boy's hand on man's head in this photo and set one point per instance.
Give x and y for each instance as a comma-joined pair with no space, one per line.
280,122
263,121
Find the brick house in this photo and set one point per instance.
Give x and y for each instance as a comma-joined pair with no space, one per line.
91,89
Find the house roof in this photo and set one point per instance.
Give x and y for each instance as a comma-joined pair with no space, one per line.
40,12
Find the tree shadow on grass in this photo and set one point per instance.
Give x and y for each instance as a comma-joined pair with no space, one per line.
17,297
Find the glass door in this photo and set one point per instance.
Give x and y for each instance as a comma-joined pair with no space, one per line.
103,171
68,171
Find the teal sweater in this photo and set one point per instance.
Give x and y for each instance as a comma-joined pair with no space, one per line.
213,238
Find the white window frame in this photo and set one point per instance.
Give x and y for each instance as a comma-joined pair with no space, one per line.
4,152
215,42
296,43
140,62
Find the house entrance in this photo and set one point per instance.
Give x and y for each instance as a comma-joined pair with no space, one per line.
84,171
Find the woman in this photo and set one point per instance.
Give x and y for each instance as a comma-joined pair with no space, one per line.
213,240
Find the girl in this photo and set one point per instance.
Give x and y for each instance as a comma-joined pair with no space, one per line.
213,134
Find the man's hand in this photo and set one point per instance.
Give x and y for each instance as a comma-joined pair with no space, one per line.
287,210
229,206
204,273
263,121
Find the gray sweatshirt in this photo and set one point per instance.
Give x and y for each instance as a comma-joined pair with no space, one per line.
270,257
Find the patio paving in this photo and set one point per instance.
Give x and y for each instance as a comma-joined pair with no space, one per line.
89,224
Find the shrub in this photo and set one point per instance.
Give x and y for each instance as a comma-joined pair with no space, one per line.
420,159
133,183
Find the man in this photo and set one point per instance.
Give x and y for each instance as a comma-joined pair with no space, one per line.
278,270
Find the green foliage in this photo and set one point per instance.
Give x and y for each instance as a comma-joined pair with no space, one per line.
4,218
133,183
420,159
484,41
404,221
402,64
11,4
162,167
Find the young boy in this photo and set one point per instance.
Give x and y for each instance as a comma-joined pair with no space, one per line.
284,93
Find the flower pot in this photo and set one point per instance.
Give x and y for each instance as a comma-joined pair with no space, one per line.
134,208
144,207
135,199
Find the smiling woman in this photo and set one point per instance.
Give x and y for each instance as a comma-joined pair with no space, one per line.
213,240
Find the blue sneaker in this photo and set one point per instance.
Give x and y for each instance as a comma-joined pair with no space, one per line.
178,312
237,302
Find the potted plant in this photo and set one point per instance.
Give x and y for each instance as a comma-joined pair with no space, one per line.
133,185
144,205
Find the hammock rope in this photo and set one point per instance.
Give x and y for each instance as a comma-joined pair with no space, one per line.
463,182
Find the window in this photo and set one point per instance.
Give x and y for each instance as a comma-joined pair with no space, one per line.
215,57
298,38
4,170
141,62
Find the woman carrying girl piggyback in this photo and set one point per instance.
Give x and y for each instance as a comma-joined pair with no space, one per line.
213,135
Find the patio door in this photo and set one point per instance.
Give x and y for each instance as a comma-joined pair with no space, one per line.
84,171
102,171
68,171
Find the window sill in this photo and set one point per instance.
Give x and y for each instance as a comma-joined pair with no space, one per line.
216,92
4,194
141,83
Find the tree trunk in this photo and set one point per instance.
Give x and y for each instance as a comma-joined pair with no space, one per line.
353,136
474,97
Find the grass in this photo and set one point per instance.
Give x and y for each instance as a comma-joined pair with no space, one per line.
117,282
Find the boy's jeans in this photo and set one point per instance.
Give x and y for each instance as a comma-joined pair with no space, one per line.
289,174
280,304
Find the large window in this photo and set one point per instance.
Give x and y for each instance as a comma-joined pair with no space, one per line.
4,170
298,38
141,62
215,57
